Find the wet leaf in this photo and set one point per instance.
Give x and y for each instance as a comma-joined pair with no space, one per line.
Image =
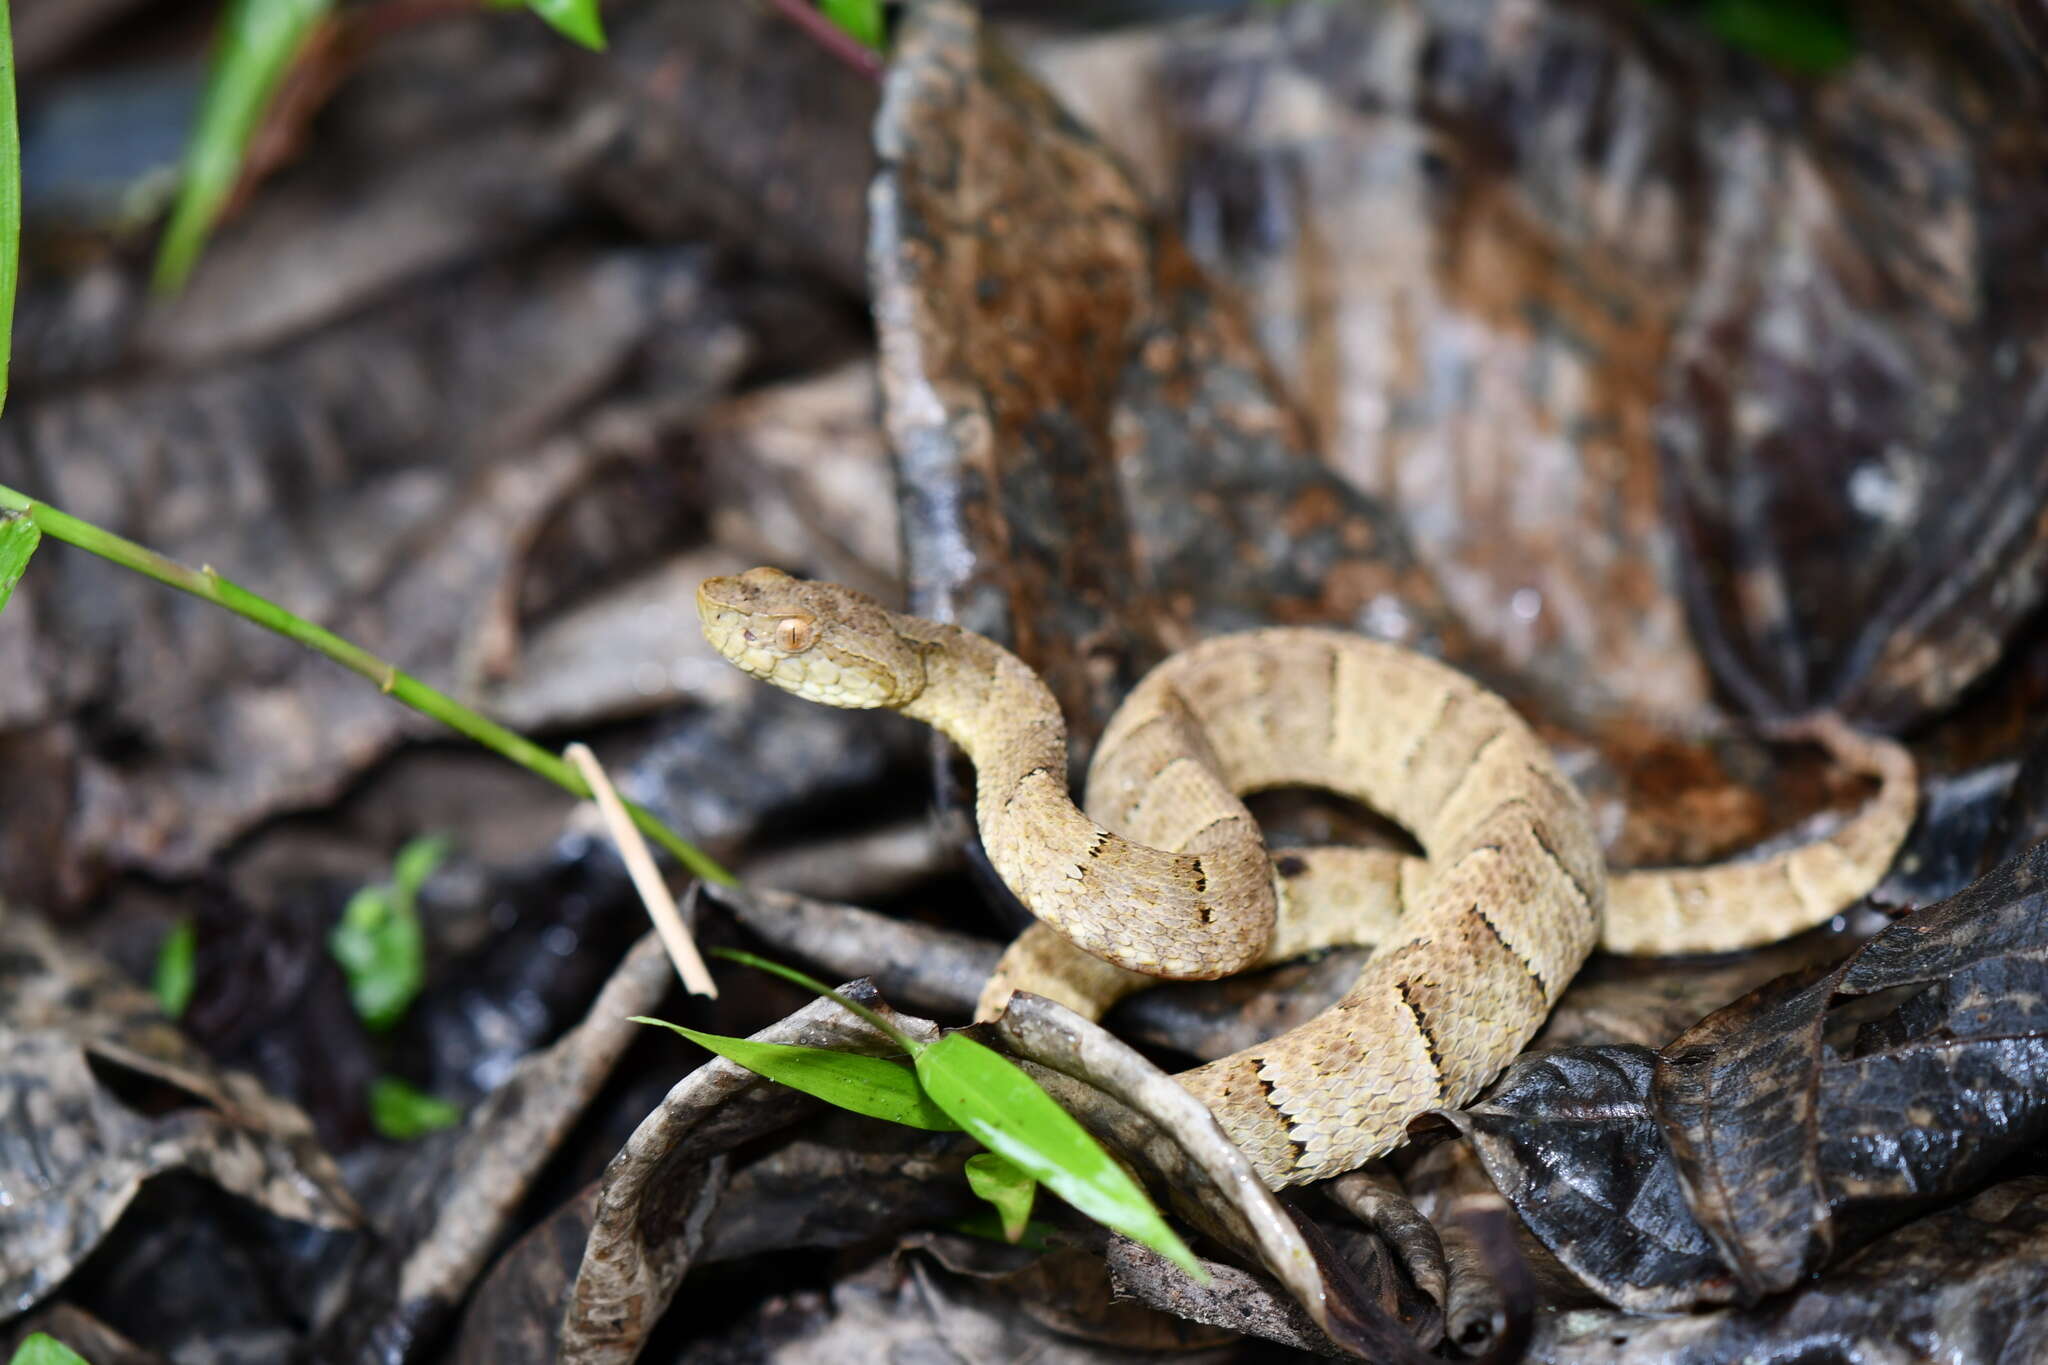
403,1112
1569,1139
866,1085
1969,1283
174,973
254,47
1789,1142
42,1349
1010,1115
1772,1136
576,20
1012,1191
18,535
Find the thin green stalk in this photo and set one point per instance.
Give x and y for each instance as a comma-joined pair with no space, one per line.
817,987
205,583
10,195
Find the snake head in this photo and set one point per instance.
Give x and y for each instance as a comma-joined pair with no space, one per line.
821,641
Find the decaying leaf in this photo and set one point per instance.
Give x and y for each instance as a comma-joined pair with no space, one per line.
113,1094
1569,1138
1780,1136
1969,1283
1798,1121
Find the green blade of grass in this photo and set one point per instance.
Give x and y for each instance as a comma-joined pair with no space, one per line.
817,987
175,972
873,1086
428,701
42,1349
18,540
1011,1116
1007,1186
10,196
252,51
574,19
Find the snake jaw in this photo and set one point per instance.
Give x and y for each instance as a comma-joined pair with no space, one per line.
823,642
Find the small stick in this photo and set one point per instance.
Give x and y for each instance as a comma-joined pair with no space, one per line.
661,906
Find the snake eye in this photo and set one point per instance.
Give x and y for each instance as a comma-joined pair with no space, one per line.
795,634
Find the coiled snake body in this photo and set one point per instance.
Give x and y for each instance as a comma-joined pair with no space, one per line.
1166,876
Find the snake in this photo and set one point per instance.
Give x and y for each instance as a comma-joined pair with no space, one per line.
1164,874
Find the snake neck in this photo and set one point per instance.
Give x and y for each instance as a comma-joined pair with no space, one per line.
990,703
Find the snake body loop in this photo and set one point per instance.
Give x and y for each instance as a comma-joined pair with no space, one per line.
1166,876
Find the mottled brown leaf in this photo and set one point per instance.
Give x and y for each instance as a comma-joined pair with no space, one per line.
1096,464
105,1094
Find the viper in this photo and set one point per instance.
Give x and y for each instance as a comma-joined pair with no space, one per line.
1165,875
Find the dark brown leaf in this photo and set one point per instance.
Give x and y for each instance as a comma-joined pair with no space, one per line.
1780,1136
1969,1283
1569,1138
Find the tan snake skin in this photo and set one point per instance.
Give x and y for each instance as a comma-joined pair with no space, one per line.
1169,878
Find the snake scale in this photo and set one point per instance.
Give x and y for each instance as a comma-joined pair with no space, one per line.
1165,875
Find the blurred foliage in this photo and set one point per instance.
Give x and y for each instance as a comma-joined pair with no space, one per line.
1808,36
401,1111
175,971
379,943
862,19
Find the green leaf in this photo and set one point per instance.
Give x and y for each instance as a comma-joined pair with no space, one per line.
42,1349
18,535
415,863
862,19
174,973
382,951
574,19
1007,1186
255,46
1011,1116
10,201
867,1085
402,1112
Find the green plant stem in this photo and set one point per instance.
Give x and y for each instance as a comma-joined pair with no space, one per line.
817,987
10,195
205,583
